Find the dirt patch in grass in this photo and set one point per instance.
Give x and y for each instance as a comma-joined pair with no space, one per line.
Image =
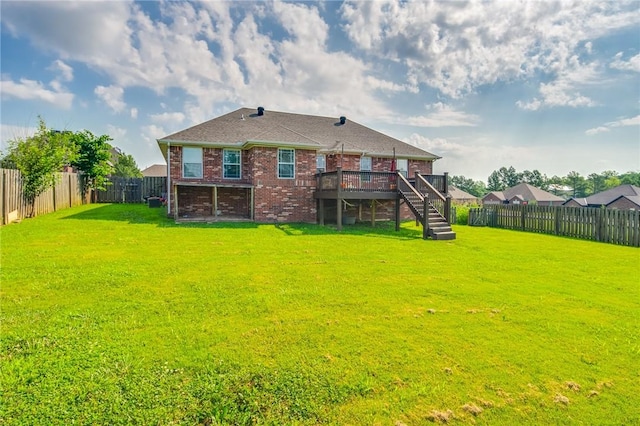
472,408
437,416
561,399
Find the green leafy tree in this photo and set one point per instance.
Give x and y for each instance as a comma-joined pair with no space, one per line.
476,188
596,183
578,183
92,158
494,183
40,158
630,178
126,167
535,178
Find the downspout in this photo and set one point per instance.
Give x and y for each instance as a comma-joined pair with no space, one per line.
169,177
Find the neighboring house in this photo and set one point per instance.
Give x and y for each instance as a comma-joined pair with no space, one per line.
624,197
156,170
270,166
461,197
522,193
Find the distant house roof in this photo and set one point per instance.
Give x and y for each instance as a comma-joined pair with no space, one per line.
580,201
459,194
245,127
157,170
605,197
526,192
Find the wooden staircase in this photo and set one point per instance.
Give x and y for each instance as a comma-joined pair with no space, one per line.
435,225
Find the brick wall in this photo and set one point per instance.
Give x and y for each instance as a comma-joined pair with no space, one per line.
283,200
378,164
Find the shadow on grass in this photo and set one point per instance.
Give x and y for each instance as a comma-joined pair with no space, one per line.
142,214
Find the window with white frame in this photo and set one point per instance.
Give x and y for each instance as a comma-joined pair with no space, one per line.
402,165
321,163
191,162
286,163
231,161
365,166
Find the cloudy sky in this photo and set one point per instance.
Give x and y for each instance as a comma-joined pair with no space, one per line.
553,86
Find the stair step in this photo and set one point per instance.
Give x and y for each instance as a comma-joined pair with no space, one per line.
450,235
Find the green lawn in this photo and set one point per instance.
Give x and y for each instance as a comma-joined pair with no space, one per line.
112,314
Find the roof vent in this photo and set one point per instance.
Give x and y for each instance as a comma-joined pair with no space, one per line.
343,119
260,111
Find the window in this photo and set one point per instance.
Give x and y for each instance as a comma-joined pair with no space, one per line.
286,163
365,166
191,162
402,165
231,164
321,163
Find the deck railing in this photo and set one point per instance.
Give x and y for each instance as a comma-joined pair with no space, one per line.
356,181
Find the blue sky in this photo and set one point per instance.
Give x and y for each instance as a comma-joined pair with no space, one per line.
552,86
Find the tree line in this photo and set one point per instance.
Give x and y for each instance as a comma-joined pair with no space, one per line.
42,156
573,184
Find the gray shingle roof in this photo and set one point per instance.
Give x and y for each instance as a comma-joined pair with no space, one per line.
459,194
325,134
606,197
529,193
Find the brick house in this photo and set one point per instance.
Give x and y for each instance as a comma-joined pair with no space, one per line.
622,197
523,193
266,166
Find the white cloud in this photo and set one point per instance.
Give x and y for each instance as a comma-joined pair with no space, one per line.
65,71
151,133
116,133
623,122
563,91
112,96
134,113
442,116
596,130
633,64
456,47
34,90
168,117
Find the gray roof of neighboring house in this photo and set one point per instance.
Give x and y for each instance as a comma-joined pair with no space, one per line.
244,127
527,192
498,194
156,170
606,197
459,194
580,201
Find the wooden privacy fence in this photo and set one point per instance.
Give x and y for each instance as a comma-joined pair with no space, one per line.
67,192
598,224
132,190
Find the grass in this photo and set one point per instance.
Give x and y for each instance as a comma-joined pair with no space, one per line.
112,314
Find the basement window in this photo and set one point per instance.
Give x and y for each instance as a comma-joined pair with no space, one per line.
286,163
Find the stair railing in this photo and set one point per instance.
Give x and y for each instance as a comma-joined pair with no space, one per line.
440,202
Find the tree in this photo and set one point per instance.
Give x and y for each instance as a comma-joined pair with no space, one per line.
92,158
535,178
476,188
40,158
503,178
577,183
596,183
126,167
630,178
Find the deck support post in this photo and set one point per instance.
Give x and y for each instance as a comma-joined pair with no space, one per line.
321,211
425,218
175,200
397,213
373,213
252,201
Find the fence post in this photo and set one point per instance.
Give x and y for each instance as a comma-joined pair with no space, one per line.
339,199
4,197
